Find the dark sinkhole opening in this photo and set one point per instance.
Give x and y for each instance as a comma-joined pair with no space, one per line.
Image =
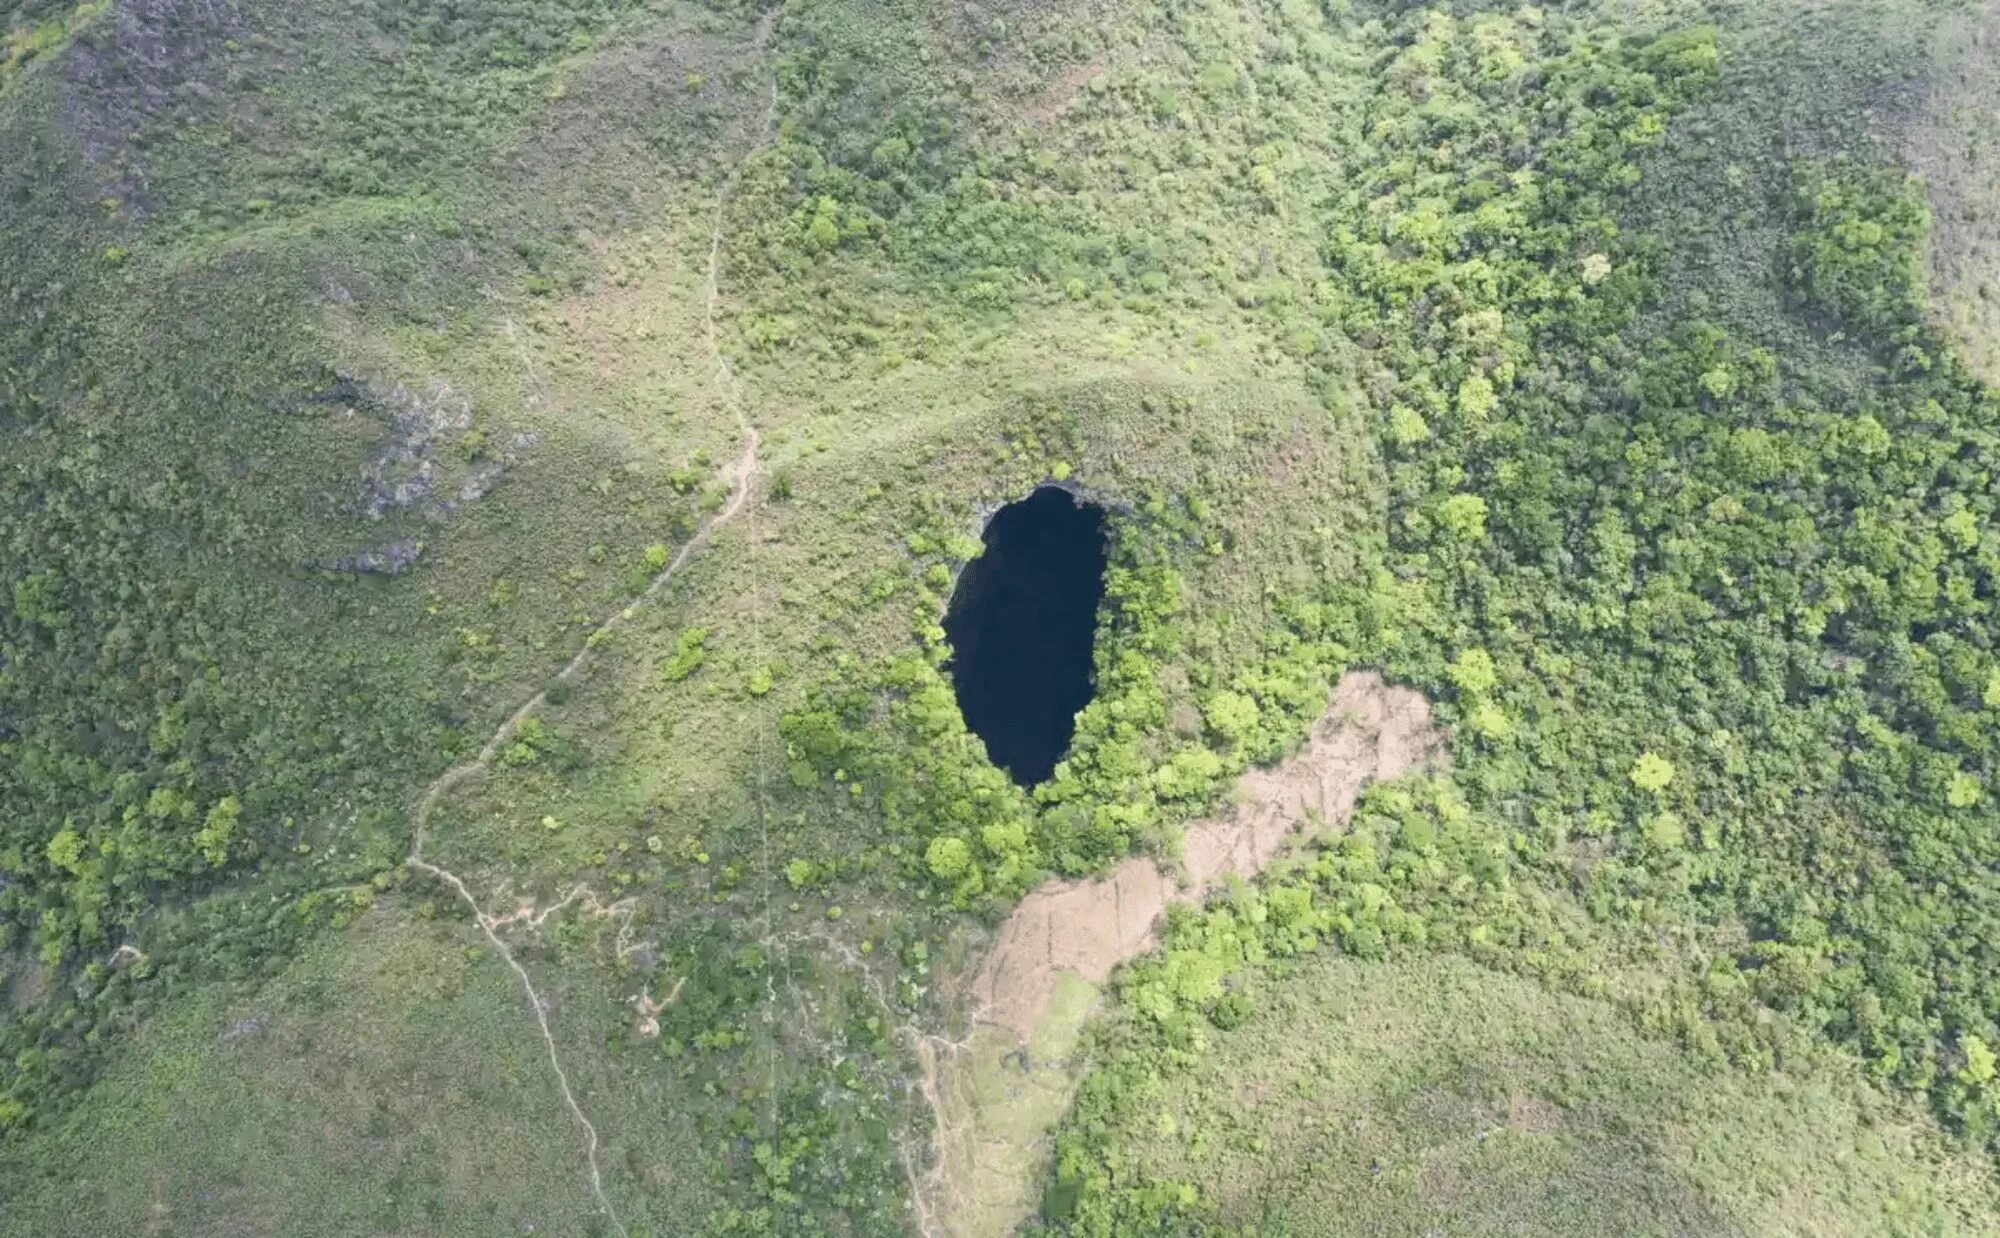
1021,624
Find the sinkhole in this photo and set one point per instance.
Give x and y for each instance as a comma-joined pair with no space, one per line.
1021,623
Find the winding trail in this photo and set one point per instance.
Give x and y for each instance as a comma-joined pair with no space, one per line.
732,394
741,474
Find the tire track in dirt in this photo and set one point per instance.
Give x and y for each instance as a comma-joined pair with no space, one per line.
741,475
997,1099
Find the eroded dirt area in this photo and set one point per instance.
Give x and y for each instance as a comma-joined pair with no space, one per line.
1000,1094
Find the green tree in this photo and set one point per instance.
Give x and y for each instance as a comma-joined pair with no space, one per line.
1463,517
1231,715
1473,672
218,830
1652,772
949,858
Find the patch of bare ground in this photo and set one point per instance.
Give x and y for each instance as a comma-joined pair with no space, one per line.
139,63
1371,731
998,1098
1531,1115
1055,98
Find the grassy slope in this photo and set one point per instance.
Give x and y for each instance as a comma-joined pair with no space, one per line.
1405,1098
379,1086
1143,314
1797,83
1944,139
183,503
249,276
562,285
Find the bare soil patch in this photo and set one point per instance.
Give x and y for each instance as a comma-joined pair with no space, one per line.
1370,731
1001,1094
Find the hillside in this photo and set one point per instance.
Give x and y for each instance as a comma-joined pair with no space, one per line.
484,485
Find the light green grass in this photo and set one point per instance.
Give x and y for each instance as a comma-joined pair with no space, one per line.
383,1083
1430,1096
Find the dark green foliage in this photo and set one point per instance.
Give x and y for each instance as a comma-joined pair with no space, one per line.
1688,545
188,699
1857,247
1718,622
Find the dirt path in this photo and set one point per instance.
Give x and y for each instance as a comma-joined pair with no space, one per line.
741,475
732,392
998,1099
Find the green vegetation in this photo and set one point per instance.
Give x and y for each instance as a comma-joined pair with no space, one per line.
278,1138
1857,248
1749,550
362,364
1173,1129
211,678
37,27
1408,1098
1626,541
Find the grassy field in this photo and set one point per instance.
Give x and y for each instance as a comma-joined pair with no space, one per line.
379,1086
1592,368
1436,1096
